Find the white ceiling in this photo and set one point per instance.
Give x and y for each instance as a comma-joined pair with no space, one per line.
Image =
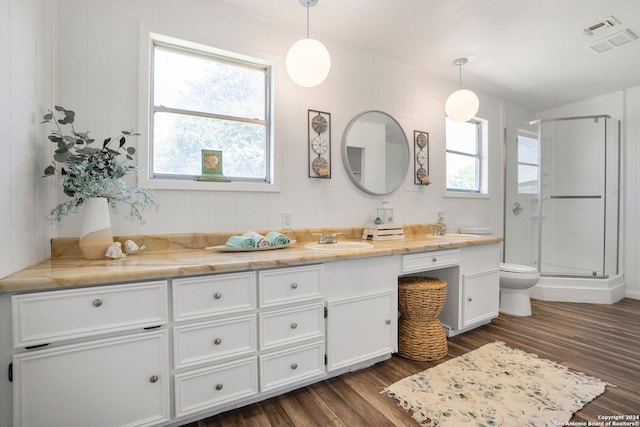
533,53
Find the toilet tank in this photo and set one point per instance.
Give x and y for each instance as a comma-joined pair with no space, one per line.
483,231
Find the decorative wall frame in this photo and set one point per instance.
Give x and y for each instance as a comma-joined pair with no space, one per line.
319,133
421,157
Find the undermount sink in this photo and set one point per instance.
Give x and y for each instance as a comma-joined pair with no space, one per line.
340,246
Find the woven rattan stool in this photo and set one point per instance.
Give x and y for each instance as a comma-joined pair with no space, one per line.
421,336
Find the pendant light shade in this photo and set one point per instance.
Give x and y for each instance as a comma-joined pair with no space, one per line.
462,105
308,61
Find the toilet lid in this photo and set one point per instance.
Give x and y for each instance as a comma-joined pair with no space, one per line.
517,268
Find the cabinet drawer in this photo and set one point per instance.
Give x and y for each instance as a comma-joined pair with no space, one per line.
214,340
291,325
199,297
291,366
215,386
430,260
47,317
287,285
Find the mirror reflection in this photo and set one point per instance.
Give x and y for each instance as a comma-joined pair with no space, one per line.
375,152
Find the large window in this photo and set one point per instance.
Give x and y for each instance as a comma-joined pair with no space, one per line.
466,156
213,101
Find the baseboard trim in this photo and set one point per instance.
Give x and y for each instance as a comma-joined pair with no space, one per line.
632,294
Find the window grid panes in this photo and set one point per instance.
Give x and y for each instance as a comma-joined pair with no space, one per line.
205,101
528,163
463,155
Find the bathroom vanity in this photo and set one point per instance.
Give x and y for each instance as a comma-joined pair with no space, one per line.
166,338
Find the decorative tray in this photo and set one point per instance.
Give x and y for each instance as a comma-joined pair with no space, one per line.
225,248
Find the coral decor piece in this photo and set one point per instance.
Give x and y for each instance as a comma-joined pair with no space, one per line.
131,248
114,251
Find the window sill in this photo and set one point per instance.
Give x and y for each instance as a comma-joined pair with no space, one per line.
466,195
188,185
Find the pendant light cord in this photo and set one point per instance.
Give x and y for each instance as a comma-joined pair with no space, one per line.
460,68
307,19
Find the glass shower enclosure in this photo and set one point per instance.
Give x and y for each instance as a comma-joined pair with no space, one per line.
562,196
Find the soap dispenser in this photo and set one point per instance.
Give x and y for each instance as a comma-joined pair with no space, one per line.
442,225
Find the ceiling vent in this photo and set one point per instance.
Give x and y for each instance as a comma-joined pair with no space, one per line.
614,40
599,27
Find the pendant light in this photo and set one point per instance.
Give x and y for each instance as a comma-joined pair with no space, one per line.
462,104
308,61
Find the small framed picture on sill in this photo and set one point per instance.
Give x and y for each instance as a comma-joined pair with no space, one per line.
212,166
319,133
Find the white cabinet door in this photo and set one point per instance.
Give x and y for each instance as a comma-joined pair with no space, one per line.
480,296
361,328
120,381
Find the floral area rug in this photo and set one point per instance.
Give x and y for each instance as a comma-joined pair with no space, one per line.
495,385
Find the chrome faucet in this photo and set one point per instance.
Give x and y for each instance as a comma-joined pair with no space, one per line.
439,230
328,239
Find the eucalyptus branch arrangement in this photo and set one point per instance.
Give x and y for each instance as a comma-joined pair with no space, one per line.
86,171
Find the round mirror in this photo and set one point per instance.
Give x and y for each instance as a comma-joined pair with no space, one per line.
375,152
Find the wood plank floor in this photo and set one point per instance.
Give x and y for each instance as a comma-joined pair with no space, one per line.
599,340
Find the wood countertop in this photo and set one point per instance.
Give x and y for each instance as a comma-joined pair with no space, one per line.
169,256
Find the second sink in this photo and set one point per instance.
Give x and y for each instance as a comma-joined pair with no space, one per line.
340,246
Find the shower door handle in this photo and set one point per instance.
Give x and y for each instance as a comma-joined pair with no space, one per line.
517,208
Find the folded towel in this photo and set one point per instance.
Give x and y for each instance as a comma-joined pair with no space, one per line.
259,240
277,239
240,242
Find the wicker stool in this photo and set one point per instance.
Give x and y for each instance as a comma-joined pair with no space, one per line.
421,336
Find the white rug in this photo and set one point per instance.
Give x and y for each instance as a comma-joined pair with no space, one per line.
495,385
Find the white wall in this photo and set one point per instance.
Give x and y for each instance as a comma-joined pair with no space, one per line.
631,191
98,78
26,34
624,106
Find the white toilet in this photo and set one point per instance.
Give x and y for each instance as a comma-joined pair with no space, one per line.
515,281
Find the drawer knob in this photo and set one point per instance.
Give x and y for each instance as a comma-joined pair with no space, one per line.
294,366
434,259
469,299
153,379
294,285
217,295
217,341
97,302
294,325
388,322
218,387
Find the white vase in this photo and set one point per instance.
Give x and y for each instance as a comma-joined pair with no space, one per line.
95,233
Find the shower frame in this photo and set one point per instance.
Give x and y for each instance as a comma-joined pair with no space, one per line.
606,269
